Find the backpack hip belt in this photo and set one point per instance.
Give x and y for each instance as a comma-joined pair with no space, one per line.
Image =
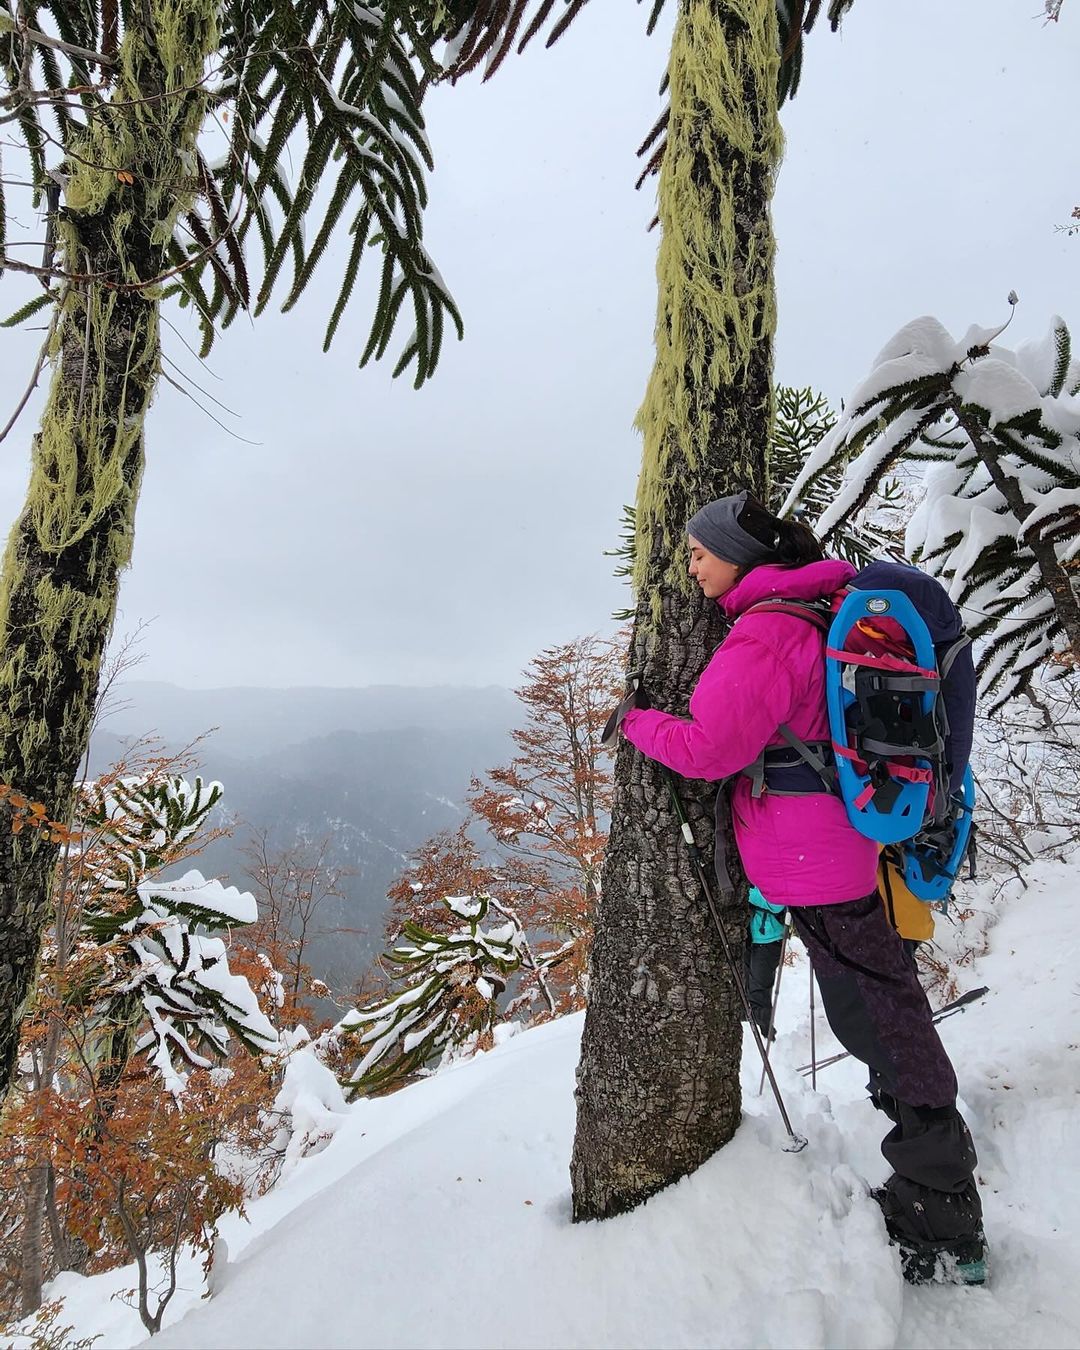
793,770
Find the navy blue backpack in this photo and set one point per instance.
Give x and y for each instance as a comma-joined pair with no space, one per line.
900,685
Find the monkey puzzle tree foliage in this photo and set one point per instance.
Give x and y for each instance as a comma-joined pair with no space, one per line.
135,982
801,420
113,100
658,1088
450,983
995,435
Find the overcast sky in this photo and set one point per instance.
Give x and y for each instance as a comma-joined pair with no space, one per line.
379,535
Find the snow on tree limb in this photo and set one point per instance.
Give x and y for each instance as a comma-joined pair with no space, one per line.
164,969
999,518
452,982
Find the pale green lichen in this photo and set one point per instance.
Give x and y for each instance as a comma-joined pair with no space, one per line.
87,456
716,294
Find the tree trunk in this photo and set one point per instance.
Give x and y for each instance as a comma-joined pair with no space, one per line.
658,1084
74,537
31,1246
31,1255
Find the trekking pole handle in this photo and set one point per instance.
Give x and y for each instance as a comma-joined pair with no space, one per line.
610,733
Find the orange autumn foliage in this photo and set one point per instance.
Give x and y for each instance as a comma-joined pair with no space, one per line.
99,1164
147,1181
537,827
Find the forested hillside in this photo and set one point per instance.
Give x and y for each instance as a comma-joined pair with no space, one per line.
373,773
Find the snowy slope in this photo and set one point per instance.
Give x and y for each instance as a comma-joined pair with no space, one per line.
440,1216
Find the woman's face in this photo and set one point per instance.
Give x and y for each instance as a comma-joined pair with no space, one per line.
712,574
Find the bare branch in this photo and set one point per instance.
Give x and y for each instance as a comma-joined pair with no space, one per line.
47,40
39,366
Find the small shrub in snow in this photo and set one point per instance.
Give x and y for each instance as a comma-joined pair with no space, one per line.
309,1108
449,999
545,816
46,1332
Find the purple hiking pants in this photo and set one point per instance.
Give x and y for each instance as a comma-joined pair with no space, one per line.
879,1012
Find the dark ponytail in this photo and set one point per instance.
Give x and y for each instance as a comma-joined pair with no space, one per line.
793,543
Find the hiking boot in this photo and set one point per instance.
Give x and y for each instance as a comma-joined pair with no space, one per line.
955,1260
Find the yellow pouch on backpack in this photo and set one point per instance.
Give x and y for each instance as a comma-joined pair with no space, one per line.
911,917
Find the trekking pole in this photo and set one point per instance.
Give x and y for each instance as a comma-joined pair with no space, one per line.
796,1142
775,1001
958,1005
813,1035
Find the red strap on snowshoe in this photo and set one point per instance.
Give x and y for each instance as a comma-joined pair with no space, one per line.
910,773
902,771
892,663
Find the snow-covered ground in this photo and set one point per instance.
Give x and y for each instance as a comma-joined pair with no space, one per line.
439,1216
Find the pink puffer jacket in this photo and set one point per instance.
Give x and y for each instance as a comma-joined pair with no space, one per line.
769,670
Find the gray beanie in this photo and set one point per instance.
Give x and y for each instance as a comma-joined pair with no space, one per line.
717,527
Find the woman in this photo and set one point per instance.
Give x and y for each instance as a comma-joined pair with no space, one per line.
801,851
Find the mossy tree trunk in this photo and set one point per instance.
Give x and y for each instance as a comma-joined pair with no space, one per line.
658,1084
128,174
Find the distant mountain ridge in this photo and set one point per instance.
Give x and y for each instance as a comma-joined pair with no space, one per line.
256,721
377,770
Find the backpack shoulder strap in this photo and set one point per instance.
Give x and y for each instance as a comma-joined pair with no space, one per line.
818,614
809,610
945,661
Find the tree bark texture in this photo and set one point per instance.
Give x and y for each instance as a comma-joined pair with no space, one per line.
31,1254
128,173
658,1083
